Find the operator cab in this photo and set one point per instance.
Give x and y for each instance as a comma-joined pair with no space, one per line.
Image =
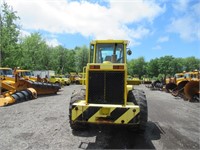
102,51
6,72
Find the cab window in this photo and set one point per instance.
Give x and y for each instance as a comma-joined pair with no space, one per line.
110,52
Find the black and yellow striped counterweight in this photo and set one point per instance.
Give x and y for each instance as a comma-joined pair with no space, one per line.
114,114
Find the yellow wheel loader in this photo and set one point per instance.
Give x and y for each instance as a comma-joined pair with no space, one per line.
75,78
106,97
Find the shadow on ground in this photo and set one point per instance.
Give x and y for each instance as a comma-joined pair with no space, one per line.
121,138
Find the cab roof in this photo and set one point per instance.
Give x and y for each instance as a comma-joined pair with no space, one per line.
5,68
19,70
110,41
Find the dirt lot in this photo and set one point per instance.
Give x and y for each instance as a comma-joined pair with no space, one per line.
43,124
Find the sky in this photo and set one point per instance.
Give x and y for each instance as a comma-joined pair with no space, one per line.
155,28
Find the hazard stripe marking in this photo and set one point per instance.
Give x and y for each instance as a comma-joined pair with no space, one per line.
126,117
89,112
117,113
134,119
93,118
77,113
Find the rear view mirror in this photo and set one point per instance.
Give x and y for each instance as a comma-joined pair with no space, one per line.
129,52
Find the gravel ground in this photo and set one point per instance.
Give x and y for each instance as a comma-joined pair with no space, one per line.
43,124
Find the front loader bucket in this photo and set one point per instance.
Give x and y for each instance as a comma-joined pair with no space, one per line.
179,90
133,82
170,87
191,90
44,88
41,87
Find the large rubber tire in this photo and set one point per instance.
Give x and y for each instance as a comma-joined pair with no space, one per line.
155,83
140,98
76,96
77,82
131,98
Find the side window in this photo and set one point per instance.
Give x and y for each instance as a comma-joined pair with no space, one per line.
99,57
120,58
99,54
119,53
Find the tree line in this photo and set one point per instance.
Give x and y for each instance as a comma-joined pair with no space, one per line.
162,67
32,52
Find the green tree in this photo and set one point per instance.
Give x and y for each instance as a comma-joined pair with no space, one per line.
45,58
178,67
137,67
81,55
9,35
71,61
34,52
166,65
62,60
153,68
191,63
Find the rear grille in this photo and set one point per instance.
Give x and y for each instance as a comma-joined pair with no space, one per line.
106,87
